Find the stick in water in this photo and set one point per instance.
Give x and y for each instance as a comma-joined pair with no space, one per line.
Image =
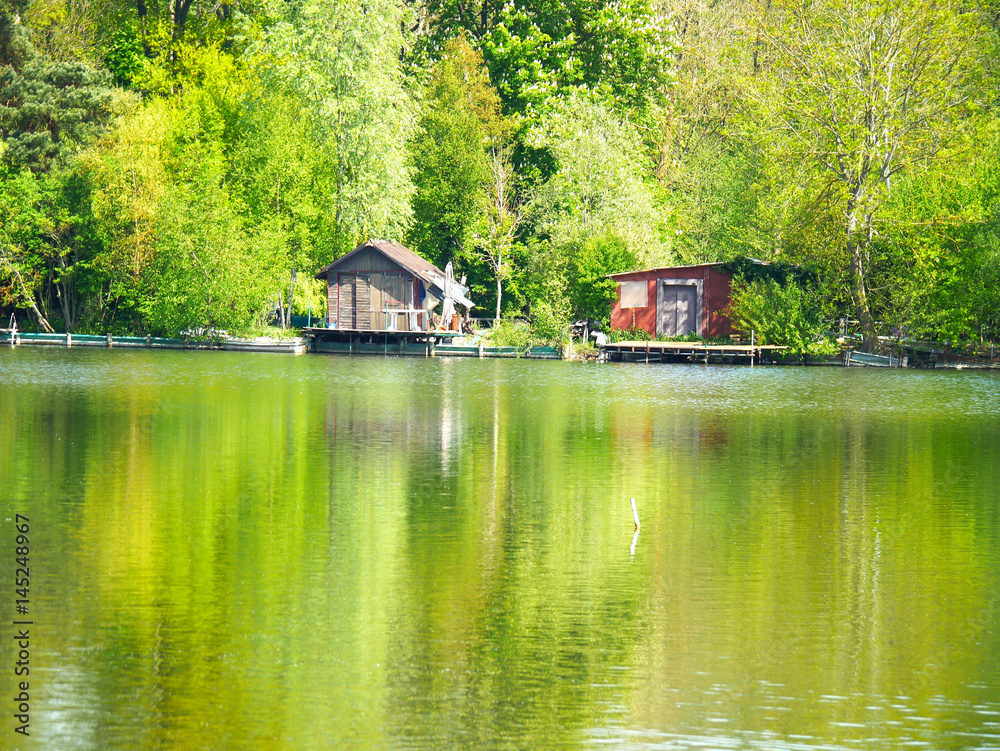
635,514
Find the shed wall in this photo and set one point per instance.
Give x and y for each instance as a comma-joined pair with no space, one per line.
716,287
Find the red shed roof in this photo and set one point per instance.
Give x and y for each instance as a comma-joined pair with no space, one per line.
664,268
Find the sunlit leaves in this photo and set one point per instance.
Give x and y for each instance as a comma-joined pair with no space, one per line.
859,91
460,120
784,314
598,184
342,59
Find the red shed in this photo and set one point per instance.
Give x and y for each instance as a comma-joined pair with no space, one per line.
674,301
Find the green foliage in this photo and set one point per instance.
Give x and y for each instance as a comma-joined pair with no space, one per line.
282,178
857,93
495,234
550,322
341,59
781,314
22,232
781,272
123,54
310,297
633,334
207,272
460,120
591,293
47,107
539,146
598,185
721,211
533,50
13,7
510,333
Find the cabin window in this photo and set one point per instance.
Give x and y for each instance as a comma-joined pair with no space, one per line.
633,294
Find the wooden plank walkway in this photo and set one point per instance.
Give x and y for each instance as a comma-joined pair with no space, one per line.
652,351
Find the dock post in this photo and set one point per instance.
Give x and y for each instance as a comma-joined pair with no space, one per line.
69,339
109,341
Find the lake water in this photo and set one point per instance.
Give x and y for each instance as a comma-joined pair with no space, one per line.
239,551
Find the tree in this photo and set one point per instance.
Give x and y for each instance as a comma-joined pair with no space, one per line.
783,314
49,109
208,271
860,90
460,121
534,49
127,171
496,238
22,251
591,293
46,107
342,59
599,180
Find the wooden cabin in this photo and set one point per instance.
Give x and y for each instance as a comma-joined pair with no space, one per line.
379,286
674,300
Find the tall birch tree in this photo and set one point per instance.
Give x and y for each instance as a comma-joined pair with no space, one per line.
859,91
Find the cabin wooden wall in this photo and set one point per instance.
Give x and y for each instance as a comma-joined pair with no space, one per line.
358,299
368,259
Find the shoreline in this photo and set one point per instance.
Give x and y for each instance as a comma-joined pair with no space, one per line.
303,345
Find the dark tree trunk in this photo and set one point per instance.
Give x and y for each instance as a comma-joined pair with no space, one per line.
857,244
291,291
181,10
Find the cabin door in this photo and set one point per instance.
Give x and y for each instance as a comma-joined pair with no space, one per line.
345,300
677,309
397,294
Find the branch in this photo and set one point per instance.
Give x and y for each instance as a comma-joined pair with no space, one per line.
28,296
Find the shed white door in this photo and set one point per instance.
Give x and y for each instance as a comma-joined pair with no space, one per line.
678,305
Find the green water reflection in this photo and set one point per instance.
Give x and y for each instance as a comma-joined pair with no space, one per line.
271,552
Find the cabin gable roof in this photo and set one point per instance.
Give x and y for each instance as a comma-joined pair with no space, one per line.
398,254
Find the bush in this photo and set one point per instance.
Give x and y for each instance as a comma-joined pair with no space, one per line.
549,323
510,333
629,335
787,315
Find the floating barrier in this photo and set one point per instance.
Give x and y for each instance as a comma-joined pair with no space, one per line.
16,338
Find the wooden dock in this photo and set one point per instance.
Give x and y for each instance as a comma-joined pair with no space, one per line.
415,343
681,352
376,341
